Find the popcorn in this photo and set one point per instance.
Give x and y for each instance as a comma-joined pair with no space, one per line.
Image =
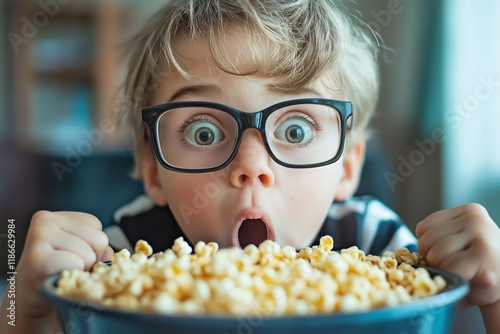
264,280
143,247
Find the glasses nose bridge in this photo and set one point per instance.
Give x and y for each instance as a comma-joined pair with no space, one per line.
251,120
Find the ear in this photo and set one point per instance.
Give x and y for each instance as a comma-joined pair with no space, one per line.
150,175
352,163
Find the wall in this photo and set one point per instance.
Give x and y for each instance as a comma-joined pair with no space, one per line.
397,124
3,76
472,150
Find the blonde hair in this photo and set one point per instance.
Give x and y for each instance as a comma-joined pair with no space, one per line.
294,41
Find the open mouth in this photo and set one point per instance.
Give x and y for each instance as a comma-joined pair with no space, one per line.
252,231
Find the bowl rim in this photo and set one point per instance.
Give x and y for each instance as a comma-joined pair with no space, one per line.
456,288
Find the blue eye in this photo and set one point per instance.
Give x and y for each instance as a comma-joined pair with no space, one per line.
294,131
204,133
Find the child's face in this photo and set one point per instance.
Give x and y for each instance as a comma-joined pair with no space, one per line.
253,198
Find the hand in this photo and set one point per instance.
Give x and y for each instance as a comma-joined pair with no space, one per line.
464,240
57,241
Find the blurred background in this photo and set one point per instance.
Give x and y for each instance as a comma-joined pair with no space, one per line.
436,141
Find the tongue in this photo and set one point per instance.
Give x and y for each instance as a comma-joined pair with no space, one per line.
252,231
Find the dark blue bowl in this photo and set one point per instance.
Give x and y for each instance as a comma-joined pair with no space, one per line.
430,315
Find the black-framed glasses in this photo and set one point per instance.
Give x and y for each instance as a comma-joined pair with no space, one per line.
199,136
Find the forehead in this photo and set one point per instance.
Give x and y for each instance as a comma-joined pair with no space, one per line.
235,52
235,55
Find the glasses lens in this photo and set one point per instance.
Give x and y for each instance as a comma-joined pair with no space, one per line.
196,137
304,134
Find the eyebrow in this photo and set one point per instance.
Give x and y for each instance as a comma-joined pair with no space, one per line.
302,90
214,90
207,90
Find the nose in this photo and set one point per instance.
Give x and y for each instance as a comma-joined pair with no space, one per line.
251,163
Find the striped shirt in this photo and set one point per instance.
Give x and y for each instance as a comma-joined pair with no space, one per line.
359,221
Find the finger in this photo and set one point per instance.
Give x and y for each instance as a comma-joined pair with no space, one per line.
66,260
437,232
436,217
83,217
448,214
77,246
446,247
71,222
107,255
464,263
97,239
45,267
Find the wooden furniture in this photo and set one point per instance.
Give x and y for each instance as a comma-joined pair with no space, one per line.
66,70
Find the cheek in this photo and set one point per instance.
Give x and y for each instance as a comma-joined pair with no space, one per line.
307,203
181,191
311,185
177,187
191,200
201,192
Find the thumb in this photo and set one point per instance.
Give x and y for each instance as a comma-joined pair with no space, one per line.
107,255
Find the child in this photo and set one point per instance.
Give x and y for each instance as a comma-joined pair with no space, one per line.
216,169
